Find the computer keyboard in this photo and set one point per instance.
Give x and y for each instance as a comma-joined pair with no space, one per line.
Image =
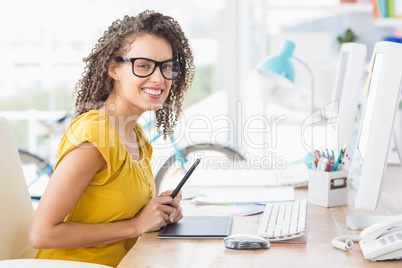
284,220
293,175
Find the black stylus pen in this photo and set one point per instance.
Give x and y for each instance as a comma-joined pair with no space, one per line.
183,181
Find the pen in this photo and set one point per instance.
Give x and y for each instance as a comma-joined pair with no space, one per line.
315,156
324,163
332,164
323,152
313,165
340,166
319,164
183,181
329,163
344,150
337,161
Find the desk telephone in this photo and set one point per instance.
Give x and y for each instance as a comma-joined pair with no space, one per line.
380,241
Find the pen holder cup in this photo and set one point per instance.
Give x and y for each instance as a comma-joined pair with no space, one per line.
328,189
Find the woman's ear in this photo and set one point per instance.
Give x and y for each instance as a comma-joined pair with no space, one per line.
112,70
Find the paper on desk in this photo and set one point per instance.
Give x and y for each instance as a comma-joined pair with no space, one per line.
234,210
245,196
233,177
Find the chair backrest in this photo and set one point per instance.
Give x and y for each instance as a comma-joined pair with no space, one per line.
16,209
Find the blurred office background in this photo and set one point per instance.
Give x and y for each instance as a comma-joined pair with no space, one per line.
42,44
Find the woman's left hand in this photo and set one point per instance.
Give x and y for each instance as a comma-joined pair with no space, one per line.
177,214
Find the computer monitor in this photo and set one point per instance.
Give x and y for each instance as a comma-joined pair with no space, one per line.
383,87
345,96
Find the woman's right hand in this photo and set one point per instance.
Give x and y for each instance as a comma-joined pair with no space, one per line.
155,214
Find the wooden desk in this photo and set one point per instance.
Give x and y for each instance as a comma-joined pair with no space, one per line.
323,225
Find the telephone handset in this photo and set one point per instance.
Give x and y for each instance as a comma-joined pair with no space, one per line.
380,241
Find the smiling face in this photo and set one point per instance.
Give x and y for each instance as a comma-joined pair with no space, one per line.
140,94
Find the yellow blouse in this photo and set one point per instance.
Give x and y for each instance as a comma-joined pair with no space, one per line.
114,194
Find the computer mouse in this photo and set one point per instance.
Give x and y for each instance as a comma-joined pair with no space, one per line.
240,241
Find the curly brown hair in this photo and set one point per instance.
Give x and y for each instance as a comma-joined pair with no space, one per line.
96,85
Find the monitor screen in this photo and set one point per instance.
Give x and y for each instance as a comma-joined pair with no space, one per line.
342,110
341,74
377,125
372,92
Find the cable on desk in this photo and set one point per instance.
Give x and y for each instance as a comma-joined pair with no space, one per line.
345,242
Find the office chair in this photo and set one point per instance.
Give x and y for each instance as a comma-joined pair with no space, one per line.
16,211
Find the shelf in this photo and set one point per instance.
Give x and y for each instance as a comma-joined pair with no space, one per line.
388,22
341,8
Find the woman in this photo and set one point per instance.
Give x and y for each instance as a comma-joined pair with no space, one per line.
101,197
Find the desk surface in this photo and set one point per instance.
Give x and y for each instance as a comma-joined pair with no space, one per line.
323,225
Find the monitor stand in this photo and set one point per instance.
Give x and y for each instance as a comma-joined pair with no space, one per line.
397,146
359,222
362,221
394,151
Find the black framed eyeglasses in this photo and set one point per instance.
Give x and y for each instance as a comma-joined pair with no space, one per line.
143,67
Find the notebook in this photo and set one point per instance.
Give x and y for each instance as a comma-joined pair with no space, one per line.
239,196
199,227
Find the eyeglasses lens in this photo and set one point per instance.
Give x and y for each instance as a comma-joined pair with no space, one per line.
170,69
144,68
